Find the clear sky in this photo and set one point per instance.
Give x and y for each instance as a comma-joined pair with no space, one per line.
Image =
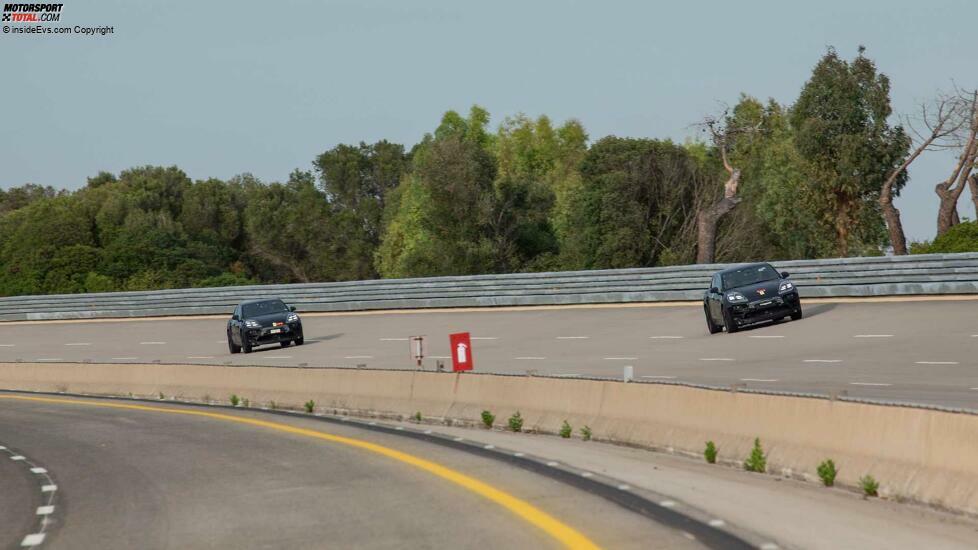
220,88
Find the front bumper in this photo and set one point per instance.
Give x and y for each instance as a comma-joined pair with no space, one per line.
766,309
274,335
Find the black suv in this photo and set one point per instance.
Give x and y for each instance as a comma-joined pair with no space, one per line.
749,294
260,322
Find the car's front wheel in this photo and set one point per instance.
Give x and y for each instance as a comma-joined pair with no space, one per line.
245,344
728,322
710,325
285,343
796,314
234,348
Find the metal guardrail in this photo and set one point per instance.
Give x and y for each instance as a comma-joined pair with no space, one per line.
873,276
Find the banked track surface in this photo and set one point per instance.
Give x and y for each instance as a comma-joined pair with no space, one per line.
906,351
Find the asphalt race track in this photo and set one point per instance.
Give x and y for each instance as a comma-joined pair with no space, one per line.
903,351
149,478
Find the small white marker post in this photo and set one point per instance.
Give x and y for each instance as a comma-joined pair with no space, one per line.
629,374
417,349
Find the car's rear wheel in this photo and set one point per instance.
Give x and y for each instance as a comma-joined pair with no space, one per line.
234,348
796,314
710,325
728,322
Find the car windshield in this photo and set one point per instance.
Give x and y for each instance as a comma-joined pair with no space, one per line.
265,307
749,276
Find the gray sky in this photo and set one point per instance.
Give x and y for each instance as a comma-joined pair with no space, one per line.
220,88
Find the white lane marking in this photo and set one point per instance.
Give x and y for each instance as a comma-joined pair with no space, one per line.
17,457
200,357
758,379
38,470
457,439
624,487
152,343
937,363
586,474
49,488
7,345
32,540
869,384
873,336
45,510
485,338
489,447
973,336
716,359
974,389
822,361
621,358
766,336
2,448
359,357
666,337
79,344
717,523
49,359
660,377
124,358
553,464
279,357
519,455
393,339
769,546
529,358
573,337
667,503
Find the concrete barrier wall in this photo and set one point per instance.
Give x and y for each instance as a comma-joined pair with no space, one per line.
925,455
874,276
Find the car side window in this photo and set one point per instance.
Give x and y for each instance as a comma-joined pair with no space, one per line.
716,282
237,313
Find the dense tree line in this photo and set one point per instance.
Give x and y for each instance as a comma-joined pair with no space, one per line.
805,180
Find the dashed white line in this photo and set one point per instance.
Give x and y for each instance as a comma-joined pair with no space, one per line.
200,357
457,439
873,336
79,344
658,377
7,345
624,487
152,343
489,447
519,455
822,361
758,379
769,546
716,359
359,357
45,510
38,470
666,337
393,339
529,358
553,464
32,540
717,523
17,457
50,359
621,358
937,363
974,389
869,384
573,337
586,474
667,503
49,488
765,336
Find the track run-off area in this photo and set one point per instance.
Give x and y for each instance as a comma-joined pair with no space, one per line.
907,350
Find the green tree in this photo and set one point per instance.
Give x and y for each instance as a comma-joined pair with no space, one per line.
841,131
356,181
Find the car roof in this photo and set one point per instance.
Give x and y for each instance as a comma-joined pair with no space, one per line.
246,302
742,266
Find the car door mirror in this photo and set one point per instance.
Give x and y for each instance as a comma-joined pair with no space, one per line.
234,317
714,290
784,274
291,308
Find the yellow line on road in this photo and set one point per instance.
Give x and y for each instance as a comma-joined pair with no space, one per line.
565,534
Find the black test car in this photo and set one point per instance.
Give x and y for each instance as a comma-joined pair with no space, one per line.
749,294
260,322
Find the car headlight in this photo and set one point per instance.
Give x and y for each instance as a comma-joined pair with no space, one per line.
735,297
786,287
252,324
293,318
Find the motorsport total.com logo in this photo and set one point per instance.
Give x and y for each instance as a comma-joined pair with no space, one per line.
32,13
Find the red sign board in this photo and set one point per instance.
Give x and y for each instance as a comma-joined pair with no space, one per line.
461,346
